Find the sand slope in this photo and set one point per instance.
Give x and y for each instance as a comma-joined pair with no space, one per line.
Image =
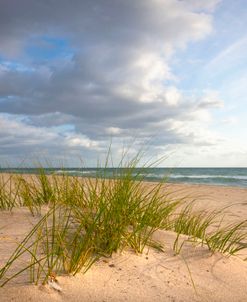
152,276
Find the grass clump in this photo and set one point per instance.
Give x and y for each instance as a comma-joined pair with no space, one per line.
86,218
207,228
193,223
228,239
8,192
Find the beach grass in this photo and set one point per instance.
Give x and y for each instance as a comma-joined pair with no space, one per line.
8,193
83,219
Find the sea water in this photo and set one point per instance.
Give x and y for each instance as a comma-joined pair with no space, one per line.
211,176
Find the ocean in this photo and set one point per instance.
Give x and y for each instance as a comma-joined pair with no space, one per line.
210,176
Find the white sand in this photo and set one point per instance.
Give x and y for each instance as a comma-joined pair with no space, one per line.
152,277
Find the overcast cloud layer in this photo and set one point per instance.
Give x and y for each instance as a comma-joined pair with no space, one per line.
73,74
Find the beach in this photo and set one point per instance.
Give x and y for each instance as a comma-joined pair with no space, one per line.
193,275
123,158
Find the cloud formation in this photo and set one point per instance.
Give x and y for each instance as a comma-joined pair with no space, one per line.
72,74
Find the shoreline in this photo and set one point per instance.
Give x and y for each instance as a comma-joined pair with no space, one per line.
174,183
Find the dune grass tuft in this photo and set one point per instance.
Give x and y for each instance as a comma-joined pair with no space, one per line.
228,239
8,192
86,219
83,219
207,228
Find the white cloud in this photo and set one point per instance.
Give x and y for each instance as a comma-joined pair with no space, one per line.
232,120
80,141
211,99
113,131
173,96
230,56
17,137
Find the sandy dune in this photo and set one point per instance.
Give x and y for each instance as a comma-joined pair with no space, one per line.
194,275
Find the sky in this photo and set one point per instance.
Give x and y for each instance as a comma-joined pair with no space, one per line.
165,76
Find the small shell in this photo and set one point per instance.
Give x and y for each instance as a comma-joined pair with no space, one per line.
54,285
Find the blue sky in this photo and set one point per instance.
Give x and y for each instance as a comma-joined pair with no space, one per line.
169,74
